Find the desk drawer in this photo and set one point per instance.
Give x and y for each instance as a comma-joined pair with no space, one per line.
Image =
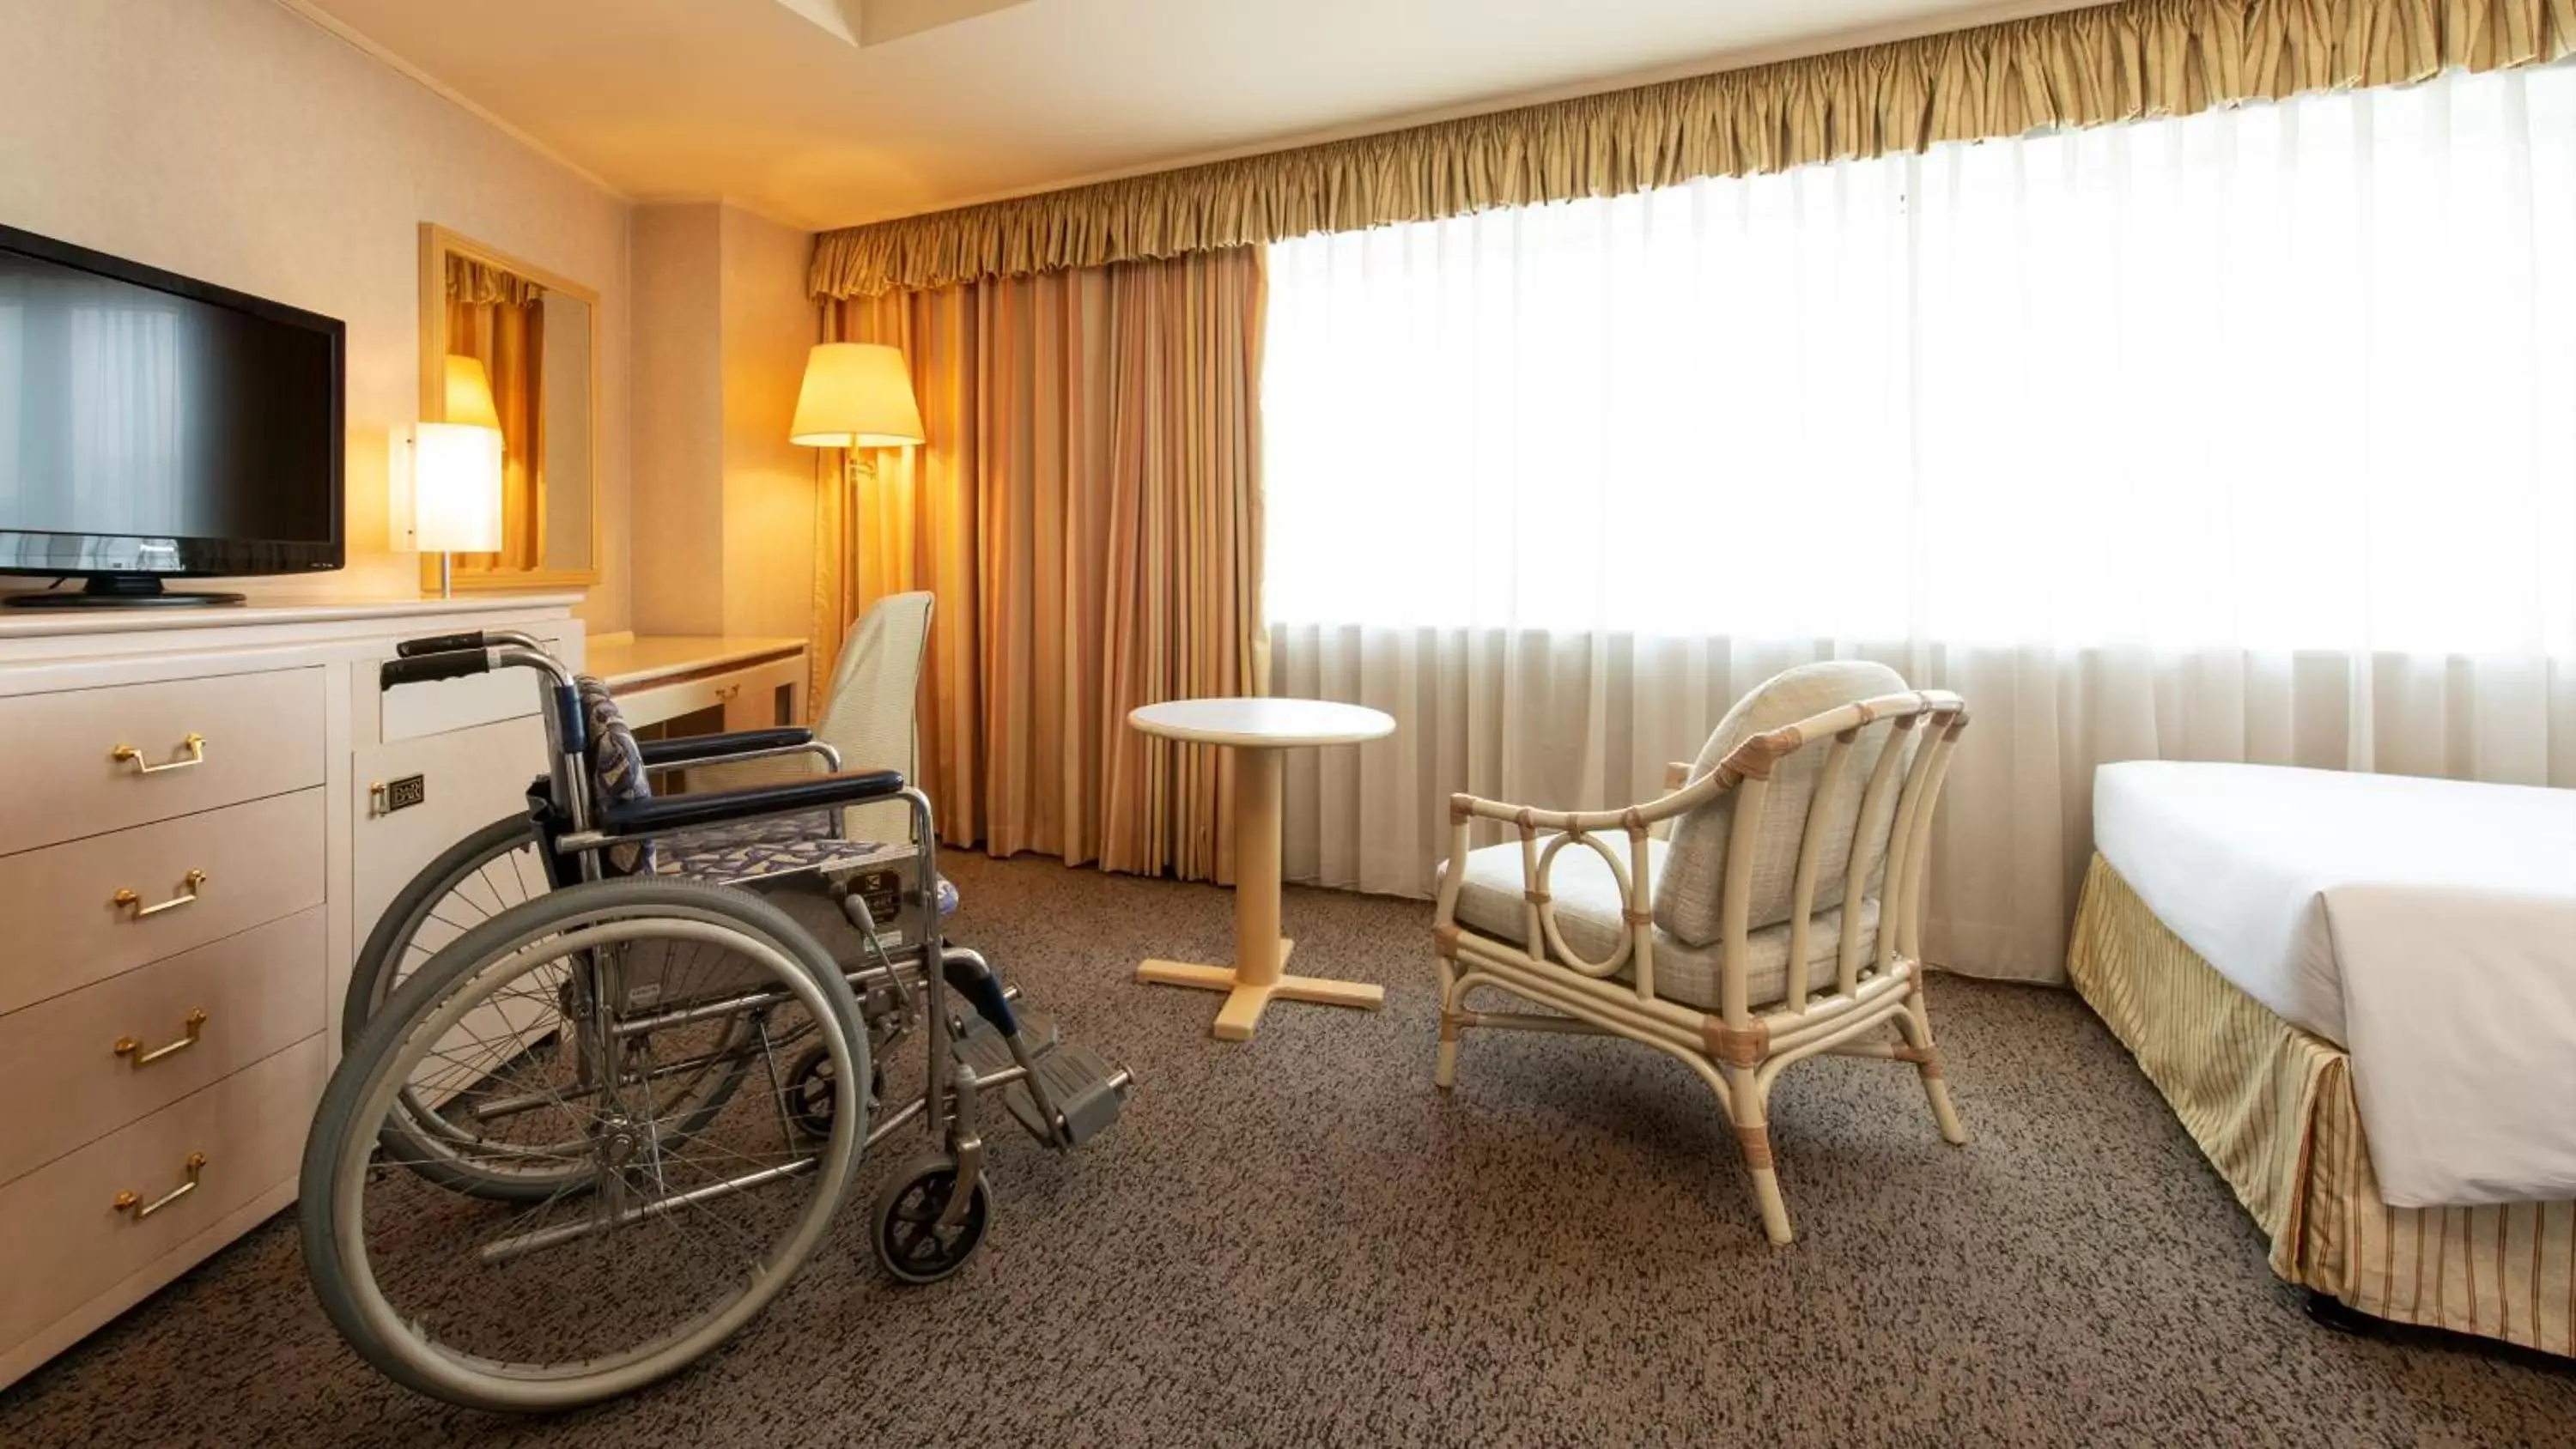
259,992
68,1241
66,928
748,695
257,735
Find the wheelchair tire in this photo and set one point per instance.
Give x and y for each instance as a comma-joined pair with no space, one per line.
562,1303
909,1241
463,886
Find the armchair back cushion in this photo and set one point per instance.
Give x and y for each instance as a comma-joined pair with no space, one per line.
1689,891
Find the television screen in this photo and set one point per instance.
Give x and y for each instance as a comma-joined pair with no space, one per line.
153,424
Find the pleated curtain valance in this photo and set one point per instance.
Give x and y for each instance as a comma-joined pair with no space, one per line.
2079,68
478,284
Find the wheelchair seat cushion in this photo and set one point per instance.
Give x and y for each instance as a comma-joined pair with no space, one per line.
737,855
775,830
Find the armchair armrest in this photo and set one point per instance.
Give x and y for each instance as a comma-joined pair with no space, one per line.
1750,760
639,819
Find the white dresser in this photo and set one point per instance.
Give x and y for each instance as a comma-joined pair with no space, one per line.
193,839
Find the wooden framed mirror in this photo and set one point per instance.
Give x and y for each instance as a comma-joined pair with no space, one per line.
514,346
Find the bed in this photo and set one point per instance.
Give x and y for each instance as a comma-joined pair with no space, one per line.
2358,993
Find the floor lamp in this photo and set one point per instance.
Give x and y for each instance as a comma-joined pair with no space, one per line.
856,396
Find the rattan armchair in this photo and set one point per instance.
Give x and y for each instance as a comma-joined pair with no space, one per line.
1725,946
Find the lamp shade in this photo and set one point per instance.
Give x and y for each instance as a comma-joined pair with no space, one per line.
856,395
456,488
469,393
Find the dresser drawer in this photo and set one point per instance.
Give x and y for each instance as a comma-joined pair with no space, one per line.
68,1241
193,1019
253,735
250,865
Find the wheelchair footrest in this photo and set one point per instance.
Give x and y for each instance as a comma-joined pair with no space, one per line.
1085,1088
983,1048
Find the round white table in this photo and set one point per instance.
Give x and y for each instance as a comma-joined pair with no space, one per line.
1260,732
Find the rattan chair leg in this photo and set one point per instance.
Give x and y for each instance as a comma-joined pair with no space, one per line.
1444,1071
1917,1027
1753,1135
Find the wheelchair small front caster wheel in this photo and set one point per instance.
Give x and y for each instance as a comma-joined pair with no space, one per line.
910,1241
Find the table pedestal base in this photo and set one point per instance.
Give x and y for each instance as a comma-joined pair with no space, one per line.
1245,999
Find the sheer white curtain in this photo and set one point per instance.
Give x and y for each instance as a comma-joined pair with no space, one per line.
2245,436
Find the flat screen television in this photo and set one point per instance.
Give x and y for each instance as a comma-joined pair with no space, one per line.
153,426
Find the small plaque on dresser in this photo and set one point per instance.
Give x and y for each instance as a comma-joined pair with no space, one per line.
400,794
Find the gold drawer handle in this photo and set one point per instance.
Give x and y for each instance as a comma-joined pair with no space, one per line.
128,1202
138,1058
187,896
192,751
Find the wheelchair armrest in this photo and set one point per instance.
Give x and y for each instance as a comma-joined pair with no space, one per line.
635,819
693,749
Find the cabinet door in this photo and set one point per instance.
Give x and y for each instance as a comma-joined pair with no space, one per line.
466,779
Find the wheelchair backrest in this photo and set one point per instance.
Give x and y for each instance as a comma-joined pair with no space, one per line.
616,773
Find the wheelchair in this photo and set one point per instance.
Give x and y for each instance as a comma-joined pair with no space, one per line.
606,1079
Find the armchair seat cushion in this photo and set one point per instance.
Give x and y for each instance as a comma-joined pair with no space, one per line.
1586,897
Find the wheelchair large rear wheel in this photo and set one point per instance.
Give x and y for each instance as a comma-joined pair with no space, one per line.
658,1243
468,883
479,877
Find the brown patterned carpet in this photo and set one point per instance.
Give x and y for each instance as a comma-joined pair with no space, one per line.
1299,1242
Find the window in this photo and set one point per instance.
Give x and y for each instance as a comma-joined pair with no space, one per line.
2291,376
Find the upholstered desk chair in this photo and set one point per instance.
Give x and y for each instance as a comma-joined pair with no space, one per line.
867,715
1781,919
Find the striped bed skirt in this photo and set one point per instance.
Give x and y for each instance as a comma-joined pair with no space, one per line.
2273,1108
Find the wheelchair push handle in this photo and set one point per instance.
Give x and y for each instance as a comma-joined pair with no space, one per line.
471,639
439,644
422,668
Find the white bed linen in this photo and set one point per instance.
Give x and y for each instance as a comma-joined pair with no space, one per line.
2427,926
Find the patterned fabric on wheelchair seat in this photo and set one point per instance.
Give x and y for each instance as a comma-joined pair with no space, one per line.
736,855
776,830
616,772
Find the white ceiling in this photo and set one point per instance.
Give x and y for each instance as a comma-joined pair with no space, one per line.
765,103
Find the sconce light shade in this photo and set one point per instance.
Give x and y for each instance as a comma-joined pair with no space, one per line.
469,393
456,488
856,395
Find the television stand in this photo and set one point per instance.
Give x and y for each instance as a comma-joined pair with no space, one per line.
138,591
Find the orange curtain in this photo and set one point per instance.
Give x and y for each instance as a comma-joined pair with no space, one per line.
499,319
1088,511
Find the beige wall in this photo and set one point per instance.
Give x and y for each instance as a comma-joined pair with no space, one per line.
679,421
236,141
724,504
769,482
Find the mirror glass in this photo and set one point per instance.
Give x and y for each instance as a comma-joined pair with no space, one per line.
514,347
